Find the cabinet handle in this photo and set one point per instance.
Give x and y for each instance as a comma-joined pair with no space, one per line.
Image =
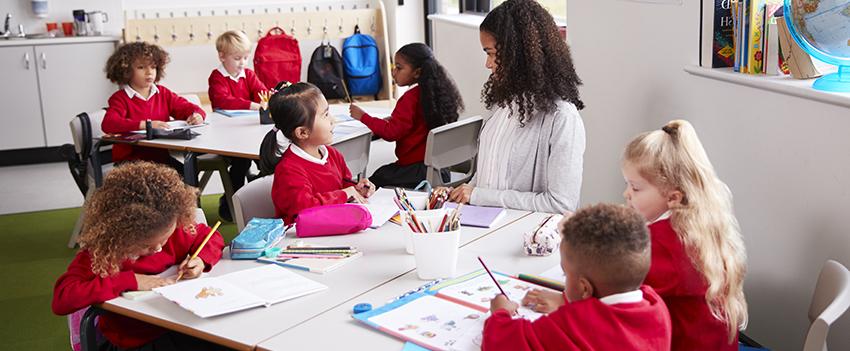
27,61
43,60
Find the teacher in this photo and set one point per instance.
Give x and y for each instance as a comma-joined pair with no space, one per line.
532,142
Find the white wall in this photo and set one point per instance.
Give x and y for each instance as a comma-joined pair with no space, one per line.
785,158
458,49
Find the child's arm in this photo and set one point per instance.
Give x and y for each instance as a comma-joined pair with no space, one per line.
400,122
255,86
296,193
179,107
502,332
117,119
79,287
221,98
211,253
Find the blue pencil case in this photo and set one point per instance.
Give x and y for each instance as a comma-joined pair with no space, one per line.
259,235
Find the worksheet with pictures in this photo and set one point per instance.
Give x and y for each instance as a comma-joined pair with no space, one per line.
433,322
478,291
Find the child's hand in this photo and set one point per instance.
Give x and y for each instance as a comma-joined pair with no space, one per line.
195,119
500,302
543,301
461,194
356,112
149,282
354,195
365,187
154,124
191,268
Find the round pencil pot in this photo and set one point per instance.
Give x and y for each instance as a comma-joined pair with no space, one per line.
265,116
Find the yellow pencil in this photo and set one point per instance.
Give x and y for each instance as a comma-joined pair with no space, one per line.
203,243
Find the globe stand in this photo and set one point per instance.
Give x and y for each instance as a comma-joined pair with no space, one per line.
835,82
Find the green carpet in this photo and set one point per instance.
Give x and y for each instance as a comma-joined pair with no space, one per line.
35,254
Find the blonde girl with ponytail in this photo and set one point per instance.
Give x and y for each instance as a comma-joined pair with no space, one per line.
698,256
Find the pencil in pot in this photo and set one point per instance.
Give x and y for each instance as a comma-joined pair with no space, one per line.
201,247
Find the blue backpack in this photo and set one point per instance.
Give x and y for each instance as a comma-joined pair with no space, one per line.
362,64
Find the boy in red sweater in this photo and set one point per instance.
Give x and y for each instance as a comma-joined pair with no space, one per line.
139,223
308,172
605,255
433,102
232,86
136,68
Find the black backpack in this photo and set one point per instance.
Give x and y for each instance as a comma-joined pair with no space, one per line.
325,71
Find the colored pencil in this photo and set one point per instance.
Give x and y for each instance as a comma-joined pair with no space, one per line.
492,277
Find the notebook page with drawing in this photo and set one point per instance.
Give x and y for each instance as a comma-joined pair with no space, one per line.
261,286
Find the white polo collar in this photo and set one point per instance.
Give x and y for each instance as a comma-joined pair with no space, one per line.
223,72
662,217
132,92
303,154
633,296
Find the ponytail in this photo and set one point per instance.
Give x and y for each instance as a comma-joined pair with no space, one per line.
292,106
440,100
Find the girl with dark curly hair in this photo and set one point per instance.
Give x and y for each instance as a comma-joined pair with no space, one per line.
138,224
136,68
532,143
433,102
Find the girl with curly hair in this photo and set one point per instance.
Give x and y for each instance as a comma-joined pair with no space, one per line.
138,224
433,101
136,68
532,143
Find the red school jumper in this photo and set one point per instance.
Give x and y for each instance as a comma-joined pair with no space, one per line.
228,94
588,324
300,183
683,289
124,114
406,127
79,287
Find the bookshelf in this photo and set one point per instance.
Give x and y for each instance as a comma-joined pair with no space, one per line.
780,84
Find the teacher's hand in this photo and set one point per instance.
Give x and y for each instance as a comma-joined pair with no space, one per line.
461,194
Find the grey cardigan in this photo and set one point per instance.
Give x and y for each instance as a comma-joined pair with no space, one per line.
544,165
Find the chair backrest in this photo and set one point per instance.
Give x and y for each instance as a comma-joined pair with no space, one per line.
356,153
193,98
829,301
450,145
253,200
85,127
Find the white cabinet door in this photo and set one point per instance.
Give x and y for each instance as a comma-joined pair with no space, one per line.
71,80
20,112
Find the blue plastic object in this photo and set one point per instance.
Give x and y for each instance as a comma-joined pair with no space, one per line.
259,235
362,307
835,82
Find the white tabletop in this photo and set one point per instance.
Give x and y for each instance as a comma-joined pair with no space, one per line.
241,136
501,249
384,259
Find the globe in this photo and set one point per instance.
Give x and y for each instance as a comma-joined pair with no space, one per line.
822,29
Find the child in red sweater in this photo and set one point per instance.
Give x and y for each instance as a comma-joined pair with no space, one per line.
433,102
232,86
136,68
139,223
308,172
698,255
605,256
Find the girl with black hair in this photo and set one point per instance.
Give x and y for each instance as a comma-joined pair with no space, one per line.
433,102
532,142
308,172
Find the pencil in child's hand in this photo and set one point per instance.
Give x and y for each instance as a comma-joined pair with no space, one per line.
492,277
201,247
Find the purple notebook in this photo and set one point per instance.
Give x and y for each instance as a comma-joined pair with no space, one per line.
478,216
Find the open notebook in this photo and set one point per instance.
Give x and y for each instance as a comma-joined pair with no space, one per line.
450,315
174,125
261,286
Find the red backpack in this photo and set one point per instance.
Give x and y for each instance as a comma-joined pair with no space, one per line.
277,58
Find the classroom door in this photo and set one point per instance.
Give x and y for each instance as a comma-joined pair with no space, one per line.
21,112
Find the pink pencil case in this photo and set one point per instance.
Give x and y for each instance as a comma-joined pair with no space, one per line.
332,220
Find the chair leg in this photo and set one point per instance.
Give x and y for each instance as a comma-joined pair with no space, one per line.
228,186
75,233
88,329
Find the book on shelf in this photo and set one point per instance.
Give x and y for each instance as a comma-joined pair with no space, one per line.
717,47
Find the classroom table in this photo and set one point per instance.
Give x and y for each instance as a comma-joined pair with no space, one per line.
337,330
241,136
384,259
